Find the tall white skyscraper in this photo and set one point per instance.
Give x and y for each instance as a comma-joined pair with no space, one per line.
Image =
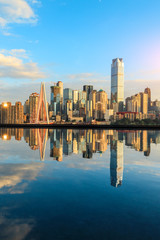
117,82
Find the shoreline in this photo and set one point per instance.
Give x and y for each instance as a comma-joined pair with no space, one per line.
82,126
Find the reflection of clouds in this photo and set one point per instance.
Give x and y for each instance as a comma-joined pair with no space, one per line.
17,150
13,174
136,161
137,158
77,162
15,229
87,166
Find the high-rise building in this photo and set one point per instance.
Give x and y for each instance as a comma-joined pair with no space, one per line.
75,99
13,108
82,98
117,83
56,104
144,103
148,91
89,111
101,104
92,97
68,108
18,117
26,111
88,89
11,113
67,95
26,107
5,113
60,84
33,106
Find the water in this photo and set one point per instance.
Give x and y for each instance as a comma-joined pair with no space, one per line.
79,184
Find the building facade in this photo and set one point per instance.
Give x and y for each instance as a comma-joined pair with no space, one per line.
117,82
33,107
88,89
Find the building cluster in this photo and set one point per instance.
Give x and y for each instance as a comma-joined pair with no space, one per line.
85,105
77,105
12,114
87,143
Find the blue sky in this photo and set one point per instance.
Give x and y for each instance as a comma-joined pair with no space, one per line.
75,41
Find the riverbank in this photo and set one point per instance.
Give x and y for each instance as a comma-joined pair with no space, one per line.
82,126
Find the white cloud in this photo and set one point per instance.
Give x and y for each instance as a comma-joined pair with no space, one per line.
12,66
16,11
3,22
14,174
21,53
15,228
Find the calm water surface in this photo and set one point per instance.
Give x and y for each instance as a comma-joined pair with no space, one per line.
79,184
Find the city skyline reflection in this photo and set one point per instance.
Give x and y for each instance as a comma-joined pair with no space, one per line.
86,143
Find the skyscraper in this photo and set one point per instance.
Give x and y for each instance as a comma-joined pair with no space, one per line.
67,95
101,104
88,89
5,112
92,97
26,107
56,100
18,117
75,99
33,106
144,103
148,91
60,84
117,82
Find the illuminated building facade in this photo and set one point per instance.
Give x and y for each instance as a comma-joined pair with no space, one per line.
33,107
18,117
117,83
5,113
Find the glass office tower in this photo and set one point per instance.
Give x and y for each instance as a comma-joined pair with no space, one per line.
117,83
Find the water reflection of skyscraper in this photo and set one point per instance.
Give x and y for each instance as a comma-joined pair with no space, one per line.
85,142
139,140
116,162
56,145
33,139
67,142
7,133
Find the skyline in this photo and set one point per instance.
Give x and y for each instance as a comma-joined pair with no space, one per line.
76,41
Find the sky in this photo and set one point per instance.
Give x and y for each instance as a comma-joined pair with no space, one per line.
74,41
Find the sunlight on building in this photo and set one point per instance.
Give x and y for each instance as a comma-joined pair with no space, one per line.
5,105
5,137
